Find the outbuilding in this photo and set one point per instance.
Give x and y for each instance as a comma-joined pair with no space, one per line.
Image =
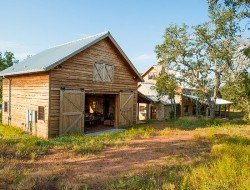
80,86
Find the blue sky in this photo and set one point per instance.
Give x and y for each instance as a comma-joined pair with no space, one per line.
28,27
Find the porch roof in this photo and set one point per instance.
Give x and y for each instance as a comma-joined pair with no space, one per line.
219,101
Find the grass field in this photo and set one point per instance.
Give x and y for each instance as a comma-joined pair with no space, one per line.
187,153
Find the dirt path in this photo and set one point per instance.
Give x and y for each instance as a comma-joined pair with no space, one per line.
129,159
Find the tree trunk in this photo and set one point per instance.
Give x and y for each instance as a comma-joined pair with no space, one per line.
174,108
212,101
211,104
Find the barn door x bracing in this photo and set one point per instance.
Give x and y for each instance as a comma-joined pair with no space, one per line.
126,108
71,111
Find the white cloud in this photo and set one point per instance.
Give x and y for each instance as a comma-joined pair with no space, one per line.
146,57
20,51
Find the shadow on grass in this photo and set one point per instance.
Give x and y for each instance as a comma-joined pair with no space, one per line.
192,123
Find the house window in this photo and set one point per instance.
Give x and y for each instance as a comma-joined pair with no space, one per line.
103,72
152,75
5,108
142,108
41,115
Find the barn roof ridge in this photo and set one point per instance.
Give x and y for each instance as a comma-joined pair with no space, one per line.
80,39
51,57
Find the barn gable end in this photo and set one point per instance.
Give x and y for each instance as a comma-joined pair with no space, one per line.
77,73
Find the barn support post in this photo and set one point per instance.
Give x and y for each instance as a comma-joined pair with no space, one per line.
9,103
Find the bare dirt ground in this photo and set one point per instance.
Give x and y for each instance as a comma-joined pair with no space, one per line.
131,158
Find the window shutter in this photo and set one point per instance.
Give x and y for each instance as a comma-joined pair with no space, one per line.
41,114
98,72
108,73
103,72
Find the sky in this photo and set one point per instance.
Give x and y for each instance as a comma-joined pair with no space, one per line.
30,26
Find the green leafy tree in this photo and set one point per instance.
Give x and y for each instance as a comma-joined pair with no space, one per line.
239,92
6,60
166,85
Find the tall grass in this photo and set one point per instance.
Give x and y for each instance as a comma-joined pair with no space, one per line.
14,143
230,171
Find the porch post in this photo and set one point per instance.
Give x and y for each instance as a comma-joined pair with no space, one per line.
220,110
147,111
225,110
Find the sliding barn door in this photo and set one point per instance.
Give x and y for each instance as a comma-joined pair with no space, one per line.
71,111
126,108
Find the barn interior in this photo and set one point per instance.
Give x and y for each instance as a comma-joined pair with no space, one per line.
99,112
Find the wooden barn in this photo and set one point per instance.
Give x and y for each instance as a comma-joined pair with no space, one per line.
80,86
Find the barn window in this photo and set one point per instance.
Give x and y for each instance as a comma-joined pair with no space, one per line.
5,108
41,115
103,72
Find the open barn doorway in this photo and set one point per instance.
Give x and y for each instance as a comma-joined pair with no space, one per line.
99,112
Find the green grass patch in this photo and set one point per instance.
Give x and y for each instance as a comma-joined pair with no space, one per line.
192,123
14,143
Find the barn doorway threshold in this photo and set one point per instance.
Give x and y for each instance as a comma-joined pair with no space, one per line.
108,131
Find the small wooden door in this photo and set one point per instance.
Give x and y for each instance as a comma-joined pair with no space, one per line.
126,108
72,104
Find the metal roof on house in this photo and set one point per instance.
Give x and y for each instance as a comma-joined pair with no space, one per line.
219,101
52,57
148,90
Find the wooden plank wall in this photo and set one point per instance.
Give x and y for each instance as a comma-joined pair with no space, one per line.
27,92
77,72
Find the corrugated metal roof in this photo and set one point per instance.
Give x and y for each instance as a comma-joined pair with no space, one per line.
219,101
52,57
44,60
148,90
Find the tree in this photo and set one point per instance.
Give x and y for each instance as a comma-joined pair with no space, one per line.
206,56
6,60
239,92
166,85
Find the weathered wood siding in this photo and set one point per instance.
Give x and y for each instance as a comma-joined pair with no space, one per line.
77,72
27,92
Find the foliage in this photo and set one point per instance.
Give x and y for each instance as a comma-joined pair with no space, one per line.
6,60
166,85
239,92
